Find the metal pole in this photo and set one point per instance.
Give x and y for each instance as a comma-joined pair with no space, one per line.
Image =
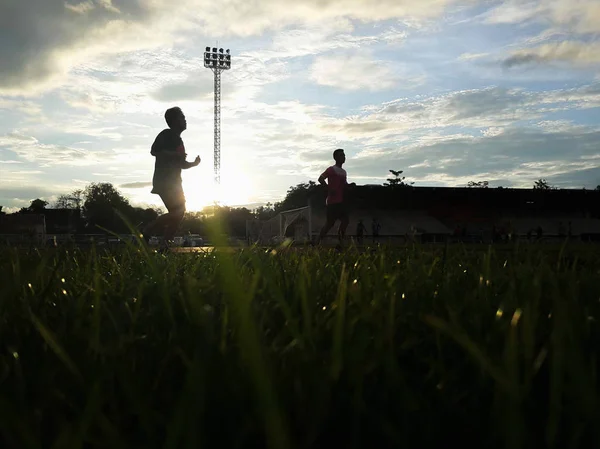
309,221
217,154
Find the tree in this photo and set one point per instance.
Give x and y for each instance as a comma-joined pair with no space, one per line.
36,206
542,184
103,203
1,211
479,184
72,200
598,187
264,212
297,196
397,180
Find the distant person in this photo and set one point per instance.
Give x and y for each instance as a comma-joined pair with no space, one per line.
375,228
360,231
169,151
561,229
336,185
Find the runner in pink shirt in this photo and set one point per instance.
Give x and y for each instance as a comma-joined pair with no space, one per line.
336,190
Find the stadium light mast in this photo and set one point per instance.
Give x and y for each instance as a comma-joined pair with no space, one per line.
217,61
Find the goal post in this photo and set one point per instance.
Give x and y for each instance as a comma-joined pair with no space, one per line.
294,224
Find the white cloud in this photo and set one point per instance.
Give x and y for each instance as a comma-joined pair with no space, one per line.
252,18
27,107
575,16
576,52
331,35
490,108
30,149
472,56
568,156
356,71
45,39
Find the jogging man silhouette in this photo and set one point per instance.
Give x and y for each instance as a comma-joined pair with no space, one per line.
169,151
336,185
360,231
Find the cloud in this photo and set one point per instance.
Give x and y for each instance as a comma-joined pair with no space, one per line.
26,107
516,157
331,35
191,89
580,16
45,39
30,149
493,107
355,71
243,83
136,185
11,197
472,56
252,18
576,52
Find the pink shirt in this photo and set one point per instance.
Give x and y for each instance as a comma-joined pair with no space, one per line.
336,184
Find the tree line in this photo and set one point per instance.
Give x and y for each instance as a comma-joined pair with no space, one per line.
102,206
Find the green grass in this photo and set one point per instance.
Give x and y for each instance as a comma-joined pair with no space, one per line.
406,347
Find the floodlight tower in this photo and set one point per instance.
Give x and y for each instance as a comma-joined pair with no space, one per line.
217,61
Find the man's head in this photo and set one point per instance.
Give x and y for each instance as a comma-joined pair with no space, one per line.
175,119
339,157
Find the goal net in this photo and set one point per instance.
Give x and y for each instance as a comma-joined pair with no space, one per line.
294,224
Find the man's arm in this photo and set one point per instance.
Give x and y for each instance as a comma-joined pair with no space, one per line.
185,164
323,177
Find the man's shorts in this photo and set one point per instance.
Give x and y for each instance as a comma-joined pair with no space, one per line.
337,211
173,199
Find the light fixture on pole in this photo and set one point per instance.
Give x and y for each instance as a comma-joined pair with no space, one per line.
217,60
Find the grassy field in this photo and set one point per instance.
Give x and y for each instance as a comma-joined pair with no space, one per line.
407,347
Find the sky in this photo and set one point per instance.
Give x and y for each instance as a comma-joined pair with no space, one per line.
448,91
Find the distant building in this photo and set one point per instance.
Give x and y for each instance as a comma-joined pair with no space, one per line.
23,228
62,221
468,214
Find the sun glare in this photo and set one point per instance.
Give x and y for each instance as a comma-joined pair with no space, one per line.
201,191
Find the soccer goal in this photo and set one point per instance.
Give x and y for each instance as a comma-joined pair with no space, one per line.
294,224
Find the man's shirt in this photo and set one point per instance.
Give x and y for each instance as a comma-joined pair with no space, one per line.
336,184
167,169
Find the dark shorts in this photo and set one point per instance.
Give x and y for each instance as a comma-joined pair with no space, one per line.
337,211
174,200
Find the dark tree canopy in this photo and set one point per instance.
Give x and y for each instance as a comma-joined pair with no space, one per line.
37,206
397,180
72,200
103,203
542,184
479,184
265,212
298,195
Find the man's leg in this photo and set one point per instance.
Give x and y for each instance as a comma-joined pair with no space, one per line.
325,229
175,204
156,226
175,218
330,221
344,220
